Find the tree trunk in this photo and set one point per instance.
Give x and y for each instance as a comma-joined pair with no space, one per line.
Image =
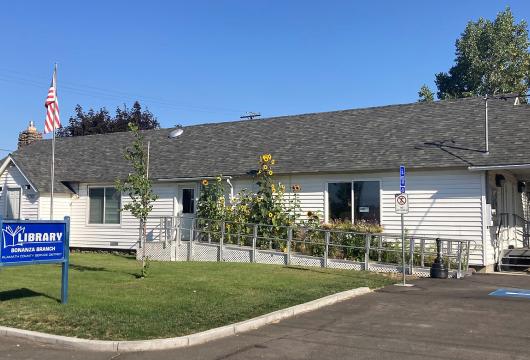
143,224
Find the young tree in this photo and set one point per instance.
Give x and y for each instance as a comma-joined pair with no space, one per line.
425,94
138,186
491,58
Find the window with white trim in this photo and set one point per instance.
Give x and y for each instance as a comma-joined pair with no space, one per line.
359,200
104,205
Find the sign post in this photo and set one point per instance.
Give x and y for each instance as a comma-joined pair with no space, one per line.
402,208
33,242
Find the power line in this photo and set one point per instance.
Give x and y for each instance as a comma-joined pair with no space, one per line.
92,91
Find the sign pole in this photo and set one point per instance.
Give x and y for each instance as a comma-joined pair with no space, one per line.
402,208
403,249
66,262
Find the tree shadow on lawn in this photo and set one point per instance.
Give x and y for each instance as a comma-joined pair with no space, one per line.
86,268
83,268
23,293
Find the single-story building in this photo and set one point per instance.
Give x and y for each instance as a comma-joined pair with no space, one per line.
346,163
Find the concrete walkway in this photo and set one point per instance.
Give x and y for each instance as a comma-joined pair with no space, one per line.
437,319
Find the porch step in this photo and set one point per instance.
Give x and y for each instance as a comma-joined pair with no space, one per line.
516,260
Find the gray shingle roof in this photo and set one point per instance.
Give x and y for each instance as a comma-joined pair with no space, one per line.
378,138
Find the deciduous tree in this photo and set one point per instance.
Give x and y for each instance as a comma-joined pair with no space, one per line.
491,58
100,121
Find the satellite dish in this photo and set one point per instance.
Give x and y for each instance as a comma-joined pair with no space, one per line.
176,132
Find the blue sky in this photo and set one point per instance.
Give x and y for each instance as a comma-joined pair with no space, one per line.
207,61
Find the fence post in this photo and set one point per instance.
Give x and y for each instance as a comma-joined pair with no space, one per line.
173,239
449,250
178,231
289,239
422,252
459,269
160,232
411,256
468,247
380,246
221,241
326,252
254,240
367,239
190,257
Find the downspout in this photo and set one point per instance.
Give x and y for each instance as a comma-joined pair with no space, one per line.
231,188
486,130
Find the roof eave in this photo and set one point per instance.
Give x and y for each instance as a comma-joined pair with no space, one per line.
5,165
499,167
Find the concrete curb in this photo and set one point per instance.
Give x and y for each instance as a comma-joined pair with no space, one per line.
187,340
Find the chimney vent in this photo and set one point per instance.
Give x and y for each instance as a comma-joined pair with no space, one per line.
29,135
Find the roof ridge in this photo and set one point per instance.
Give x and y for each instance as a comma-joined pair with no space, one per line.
279,117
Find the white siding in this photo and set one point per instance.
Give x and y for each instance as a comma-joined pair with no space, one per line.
61,206
311,198
442,203
29,204
447,204
123,235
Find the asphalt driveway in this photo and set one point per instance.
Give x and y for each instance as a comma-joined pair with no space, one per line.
436,319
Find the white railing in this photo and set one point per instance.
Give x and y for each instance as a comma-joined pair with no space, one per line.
174,238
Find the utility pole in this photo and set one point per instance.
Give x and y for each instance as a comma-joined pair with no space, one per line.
250,115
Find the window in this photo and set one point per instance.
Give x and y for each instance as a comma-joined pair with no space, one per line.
105,204
339,200
188,201
366,201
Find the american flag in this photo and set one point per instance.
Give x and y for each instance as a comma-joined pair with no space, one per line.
52,107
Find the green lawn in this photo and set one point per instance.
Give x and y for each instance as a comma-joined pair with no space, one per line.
107,300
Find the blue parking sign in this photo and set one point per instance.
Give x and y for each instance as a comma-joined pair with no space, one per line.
402,180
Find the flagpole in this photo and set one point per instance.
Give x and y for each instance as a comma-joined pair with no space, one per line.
53,145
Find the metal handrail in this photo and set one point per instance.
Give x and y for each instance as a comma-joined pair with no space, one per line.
420,247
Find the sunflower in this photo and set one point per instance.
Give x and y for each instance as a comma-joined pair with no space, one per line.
273,188
218,179
265,167
205,182
270,215
296,188
282,187
270,173
266,157
259,172
273,162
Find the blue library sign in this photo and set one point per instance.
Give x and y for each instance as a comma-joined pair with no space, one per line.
30,242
